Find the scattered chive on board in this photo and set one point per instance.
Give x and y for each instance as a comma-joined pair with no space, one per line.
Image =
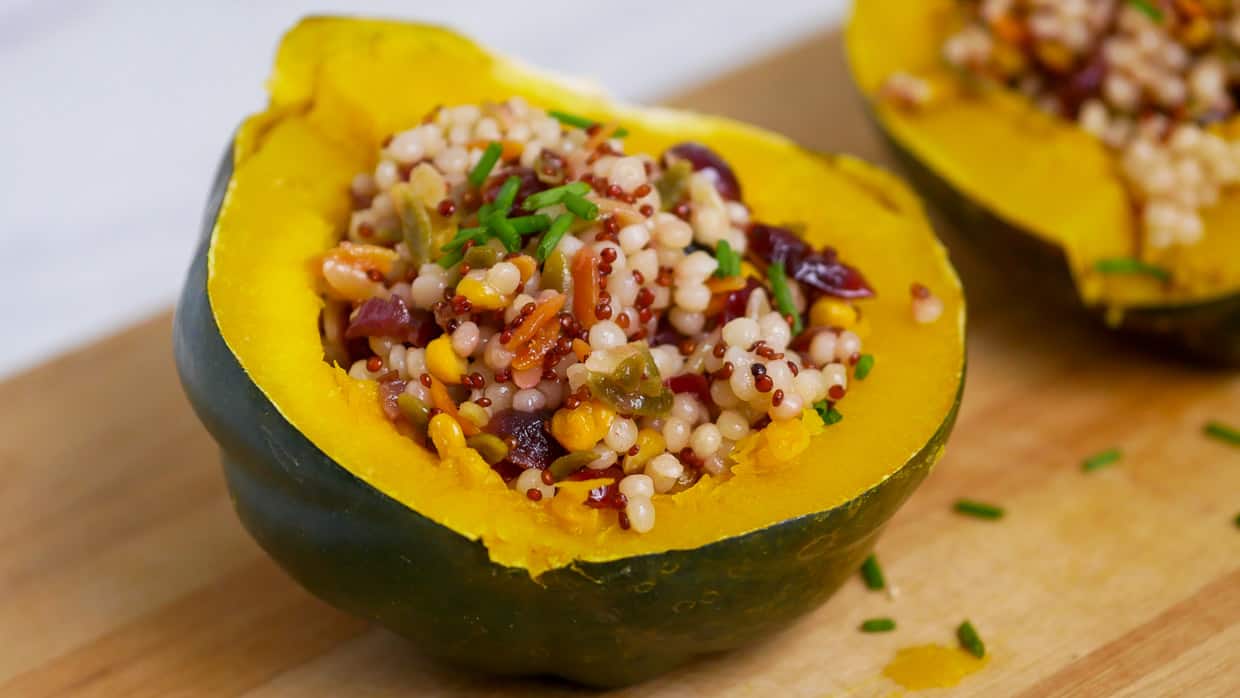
864,365
486,163
1237,521
1100,460
1222,432
783,295
1128,265
970,640
581,122
977,509
878,625
872,574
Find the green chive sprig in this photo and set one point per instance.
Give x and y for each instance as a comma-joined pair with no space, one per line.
729,261
486,163
1147,9
554,195
976,509
580,207
1128,265
783,295
878,625
827,412
557,230
1100,460
872,574
1222,432
970,640
463,235
502,228
581,122
528,225
864,365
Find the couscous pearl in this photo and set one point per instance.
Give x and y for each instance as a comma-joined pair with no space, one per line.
684,408
386,174
706,439
527,377
742,385
672,232
407,147
622,434
668,360
716,465
380,346
452,160
697,266
710,224
500,395
927,310
640,513
633,238
637,486
687,322
606,335
822,348
486,129
741,332
847,345
529,400
504,277
396,359
458,136
531,479
628,173
517,304
676,433
732,425
606,457
788,408
358,371
775,330
721,394
809,385
646,263
835,374
665,470
466,338
693,297
496,356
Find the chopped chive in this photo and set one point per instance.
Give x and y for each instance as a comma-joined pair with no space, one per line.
486,163
783,295
580,207
1128,265
451,259
970,640
827,412
506,195
464,235
979,509
1100,460
502,229
1147,9
1222,432
527,225
878,625
553,236
1237,521
872,574
864,365
580,122
554,195
729,261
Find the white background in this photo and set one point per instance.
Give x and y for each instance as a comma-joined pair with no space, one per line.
113,116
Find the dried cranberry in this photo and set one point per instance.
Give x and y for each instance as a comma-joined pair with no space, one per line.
703,158
390,388
735,302
605,496
694,383
390,317
530,444
1083,83
820,270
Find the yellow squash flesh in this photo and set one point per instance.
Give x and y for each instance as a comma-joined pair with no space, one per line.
1037,172
340,86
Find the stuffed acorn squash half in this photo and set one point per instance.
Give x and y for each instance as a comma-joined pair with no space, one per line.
1091,144
551,385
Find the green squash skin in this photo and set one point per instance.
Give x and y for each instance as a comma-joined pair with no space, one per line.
1207,331
602,624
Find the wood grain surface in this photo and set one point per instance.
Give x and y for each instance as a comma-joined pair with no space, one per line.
125,573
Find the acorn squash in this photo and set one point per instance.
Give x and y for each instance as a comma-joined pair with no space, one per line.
470,571
1037,193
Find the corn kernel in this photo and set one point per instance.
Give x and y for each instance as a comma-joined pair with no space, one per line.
474,413
650,443
445,433
443,362
581,428
526,265
832,312
480,294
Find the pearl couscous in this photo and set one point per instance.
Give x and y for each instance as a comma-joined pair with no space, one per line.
511,277
1147,77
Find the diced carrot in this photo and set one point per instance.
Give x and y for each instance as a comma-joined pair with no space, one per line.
442,400
603,133
533,352
526,265
581,349
544,312
726,284
1009,29
585,286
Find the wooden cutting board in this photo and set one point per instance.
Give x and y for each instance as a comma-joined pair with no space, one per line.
124,572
